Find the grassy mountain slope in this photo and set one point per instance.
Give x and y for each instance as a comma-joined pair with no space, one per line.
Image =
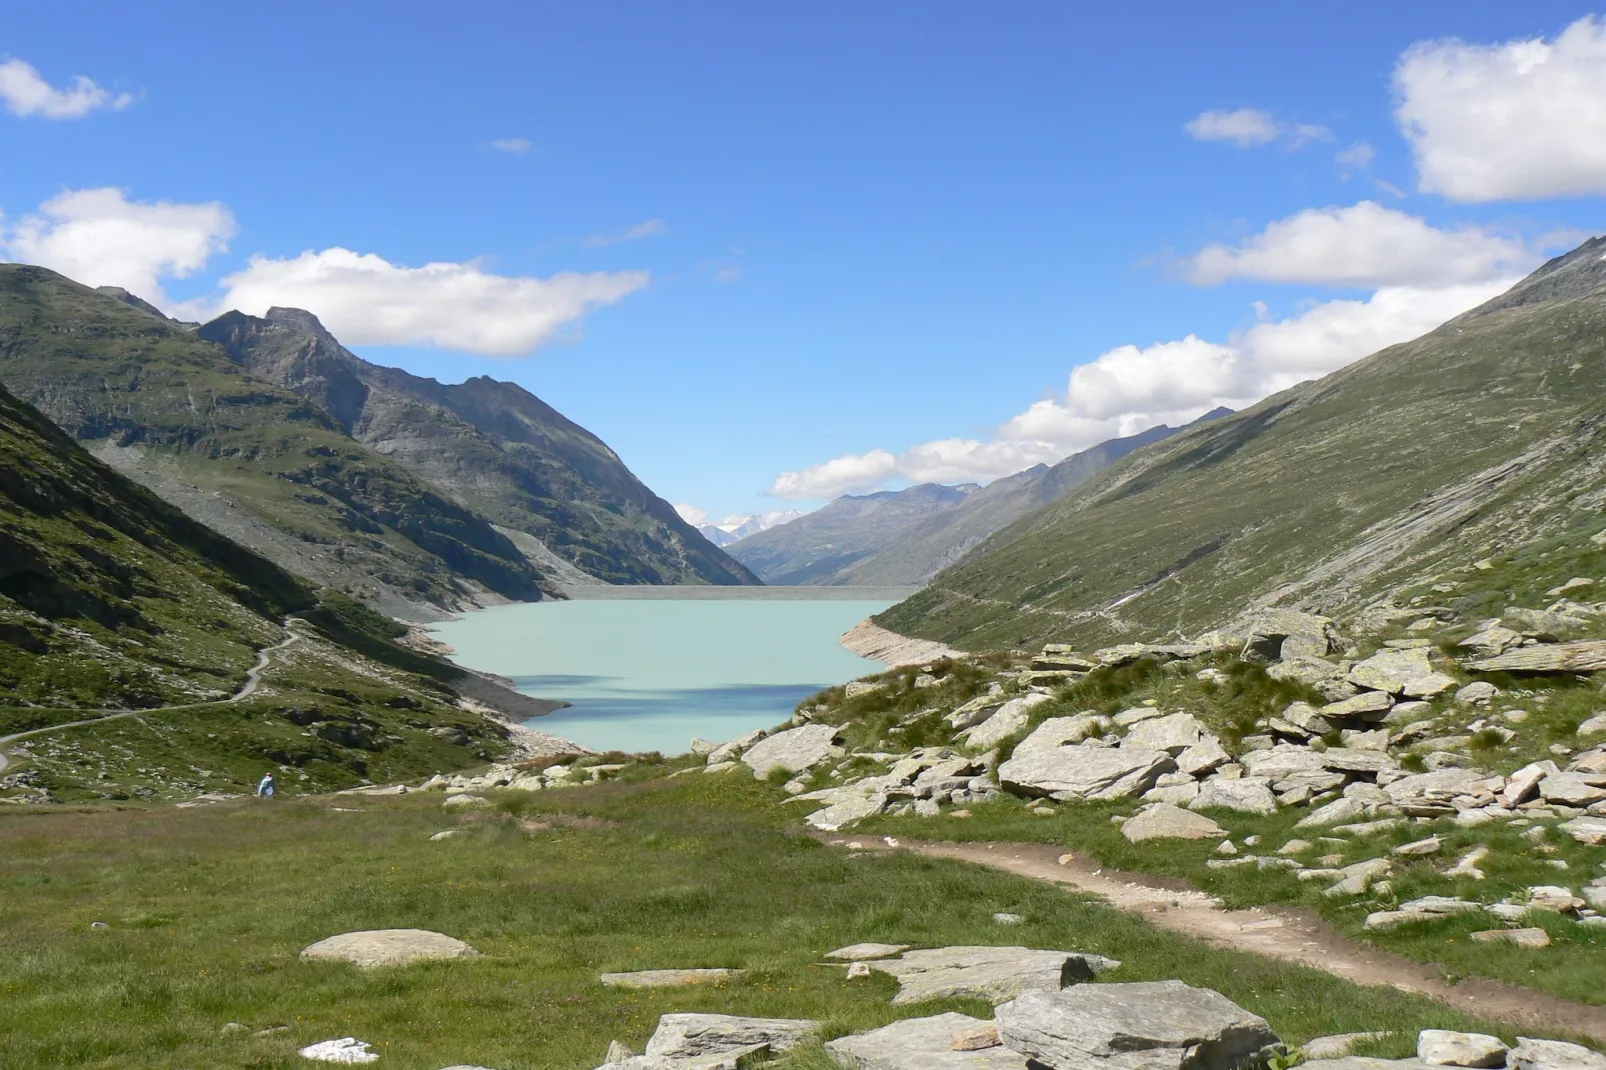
253,460
493,446
819,547
930,546
1481,435
111,599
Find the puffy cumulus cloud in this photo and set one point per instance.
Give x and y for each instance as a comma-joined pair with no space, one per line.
1519,120
367,300
691,514
1364,245
101,238
1132,388
1251,127
26,93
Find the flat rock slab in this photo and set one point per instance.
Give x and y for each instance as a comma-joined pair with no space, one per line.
1167,822
671,978
348,1051
995,974
922,1044
1084,771
686,1036
1148,1025
389,947
1587,656
866,952
1531,1054
794,750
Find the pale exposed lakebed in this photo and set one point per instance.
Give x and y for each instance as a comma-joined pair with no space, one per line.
650,670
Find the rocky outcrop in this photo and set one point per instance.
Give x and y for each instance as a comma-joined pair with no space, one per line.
923,1044
995,974
794,750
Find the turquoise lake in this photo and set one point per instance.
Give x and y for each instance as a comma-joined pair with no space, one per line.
650,672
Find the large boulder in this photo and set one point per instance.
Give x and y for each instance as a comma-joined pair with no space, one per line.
1147,1025
1398,672
922,1044
1173,733
1057,732
1269,634
1282,761
727,751
1167,822
1010,718
1445,1047
846,810
388,947
1531,1054
686,1036
794,750
1589,656
995,974
1428,794
1084,771
1250,795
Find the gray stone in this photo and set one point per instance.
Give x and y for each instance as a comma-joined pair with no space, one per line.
388,947
1175,794
681,1036
1531,1054
466,799
1128,718
1573,789
1590,830
1247,795
1397,672
846,811
1529,937
1173,733
866,952
1428,908
1282,762
795,750
1058,732
991,973
1336,1046
1203,757
671,978
1477,693
1148,1025
1416,848
1554,899
1083,771
1369,705
1587,656
1336,812
1594,726
1306,670
1426,794
727,752
922,1044
1524,783
1167,822
1357,878
1010,718
1445,1047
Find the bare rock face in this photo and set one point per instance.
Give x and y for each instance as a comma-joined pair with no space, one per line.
1589,656
795,750
923,1044
1084,771
991,973
1149,1025
389,947
688,1036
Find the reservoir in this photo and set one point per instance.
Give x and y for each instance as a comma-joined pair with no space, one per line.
649,668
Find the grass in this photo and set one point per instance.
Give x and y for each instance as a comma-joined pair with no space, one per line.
205,911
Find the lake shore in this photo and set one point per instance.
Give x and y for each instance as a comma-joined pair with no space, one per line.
869,640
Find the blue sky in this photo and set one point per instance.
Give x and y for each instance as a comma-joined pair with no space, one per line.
742,241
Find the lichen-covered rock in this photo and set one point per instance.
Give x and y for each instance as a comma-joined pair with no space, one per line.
1149,1025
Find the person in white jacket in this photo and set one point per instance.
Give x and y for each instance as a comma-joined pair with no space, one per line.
266,788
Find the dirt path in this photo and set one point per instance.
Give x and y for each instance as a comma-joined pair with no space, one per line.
1276,932
253,680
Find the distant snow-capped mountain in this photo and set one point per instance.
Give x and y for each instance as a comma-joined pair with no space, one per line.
734,528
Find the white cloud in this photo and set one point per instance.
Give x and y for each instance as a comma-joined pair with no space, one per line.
652,228
691,514
367,300
514,145
1520,120
1249,127
1358,157
1131,388
101,238
26,93
1364,245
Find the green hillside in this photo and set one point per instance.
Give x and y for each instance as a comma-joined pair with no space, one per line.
492,447
1477,438
252,460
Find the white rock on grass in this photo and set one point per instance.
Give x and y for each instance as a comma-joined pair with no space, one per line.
1146,1025
727,751
1477,693
847,811
1594,726
671,978
923,1044
1532,1054
1590,830
1444,1047
1529,937
1166,822
1336,1046
1359,877
795,750
1083,771
1173,733
388,947
1428,908
1011,717
466,800
1524,783
866,952
347,1050
1203,757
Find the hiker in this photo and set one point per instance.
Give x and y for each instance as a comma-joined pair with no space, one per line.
266,788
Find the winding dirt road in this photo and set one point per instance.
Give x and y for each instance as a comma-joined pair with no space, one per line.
253,679
1277,932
